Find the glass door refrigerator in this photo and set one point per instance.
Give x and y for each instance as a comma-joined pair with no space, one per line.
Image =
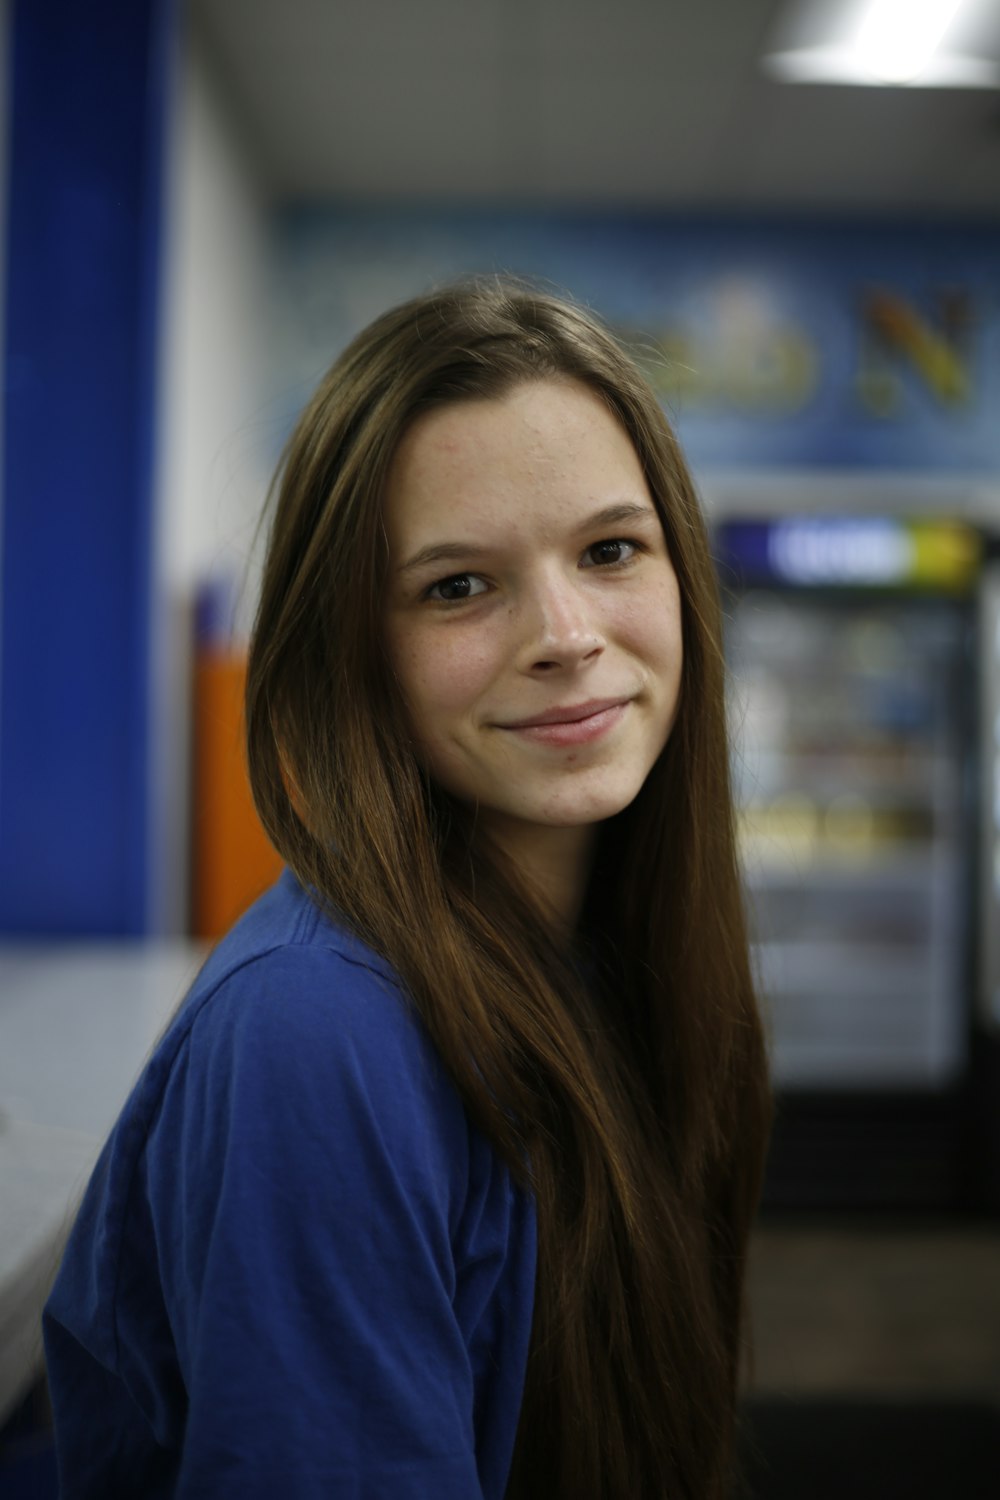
855,650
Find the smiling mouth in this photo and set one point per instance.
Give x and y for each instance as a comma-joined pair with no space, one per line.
577,713
578,725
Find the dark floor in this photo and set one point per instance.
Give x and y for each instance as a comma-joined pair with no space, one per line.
876,1310
875,1371
836,1449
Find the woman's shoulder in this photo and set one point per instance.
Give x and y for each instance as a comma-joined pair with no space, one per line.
296,1063
298,1049
286,933
291,998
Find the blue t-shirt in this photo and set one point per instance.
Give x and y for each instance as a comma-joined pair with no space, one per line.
298,1269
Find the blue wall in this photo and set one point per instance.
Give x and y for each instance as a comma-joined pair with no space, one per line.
774,343
88,89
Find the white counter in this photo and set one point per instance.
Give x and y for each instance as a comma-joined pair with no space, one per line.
76,1024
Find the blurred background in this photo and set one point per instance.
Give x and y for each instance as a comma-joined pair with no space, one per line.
790,209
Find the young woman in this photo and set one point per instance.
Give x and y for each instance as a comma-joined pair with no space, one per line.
440,1183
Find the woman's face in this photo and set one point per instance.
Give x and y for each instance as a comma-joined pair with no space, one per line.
532,612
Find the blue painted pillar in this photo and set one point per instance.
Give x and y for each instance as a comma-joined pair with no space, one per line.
88,92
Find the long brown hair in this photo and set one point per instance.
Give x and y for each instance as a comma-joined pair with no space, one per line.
624,1084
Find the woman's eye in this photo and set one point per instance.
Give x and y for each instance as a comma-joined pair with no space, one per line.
607,554
459,586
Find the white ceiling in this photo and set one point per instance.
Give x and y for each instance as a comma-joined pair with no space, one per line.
625,103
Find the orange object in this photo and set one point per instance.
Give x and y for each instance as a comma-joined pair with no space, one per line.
232,859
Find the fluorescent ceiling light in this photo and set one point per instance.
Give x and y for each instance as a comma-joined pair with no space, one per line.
895,43
948,70
898,38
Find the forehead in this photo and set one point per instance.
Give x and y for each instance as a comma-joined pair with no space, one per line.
543,442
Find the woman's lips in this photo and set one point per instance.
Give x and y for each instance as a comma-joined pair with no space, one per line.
588,722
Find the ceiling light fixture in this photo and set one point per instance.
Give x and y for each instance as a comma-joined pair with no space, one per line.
896,43
898,38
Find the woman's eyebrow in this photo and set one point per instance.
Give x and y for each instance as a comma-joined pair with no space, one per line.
443,552
626,511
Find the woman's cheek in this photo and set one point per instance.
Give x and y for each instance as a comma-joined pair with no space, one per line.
652,620
448,669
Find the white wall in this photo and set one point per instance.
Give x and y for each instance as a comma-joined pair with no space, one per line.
215,437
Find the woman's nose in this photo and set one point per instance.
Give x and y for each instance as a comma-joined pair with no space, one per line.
563,631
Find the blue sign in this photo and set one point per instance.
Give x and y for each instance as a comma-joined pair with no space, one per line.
849,552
